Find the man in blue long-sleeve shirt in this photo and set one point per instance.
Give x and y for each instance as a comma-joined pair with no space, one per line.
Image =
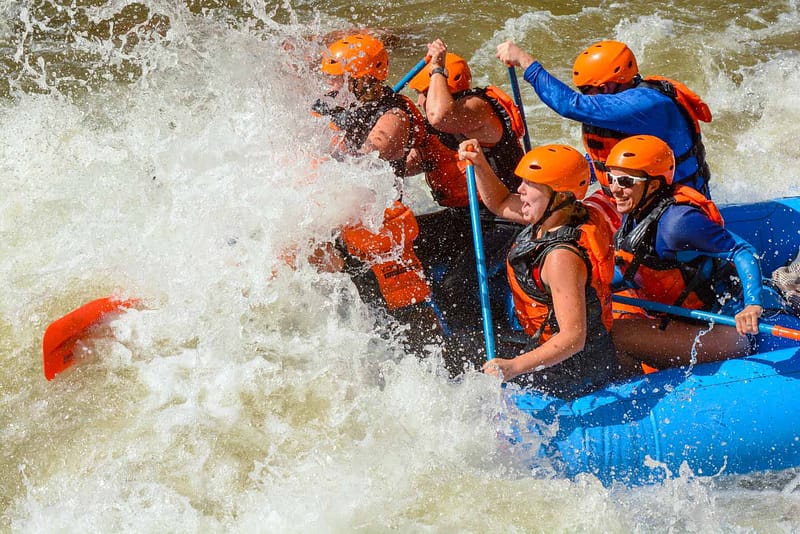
614,102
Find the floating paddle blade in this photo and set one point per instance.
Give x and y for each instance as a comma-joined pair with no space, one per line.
61,336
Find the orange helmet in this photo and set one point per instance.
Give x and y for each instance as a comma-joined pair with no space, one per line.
459,76
559,166
357,55
603,62
644,153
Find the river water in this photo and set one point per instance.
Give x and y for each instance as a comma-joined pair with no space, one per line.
164,150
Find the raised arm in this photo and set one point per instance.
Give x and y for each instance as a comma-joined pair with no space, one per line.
470,116
513,56
494,194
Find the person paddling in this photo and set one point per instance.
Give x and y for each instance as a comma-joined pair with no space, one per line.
559,268
614,101
457,111
673,248
382,264
454,111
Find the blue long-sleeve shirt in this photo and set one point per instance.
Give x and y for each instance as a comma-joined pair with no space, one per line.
633,111
685,233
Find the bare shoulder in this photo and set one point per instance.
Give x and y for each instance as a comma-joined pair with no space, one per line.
565,261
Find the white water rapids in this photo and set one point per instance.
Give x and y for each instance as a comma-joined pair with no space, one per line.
248,397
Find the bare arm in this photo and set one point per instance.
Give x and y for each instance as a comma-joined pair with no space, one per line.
389,136
323,256
565,273
470,116
494,194
414,163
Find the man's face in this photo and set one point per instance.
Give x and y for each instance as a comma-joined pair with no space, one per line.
363,87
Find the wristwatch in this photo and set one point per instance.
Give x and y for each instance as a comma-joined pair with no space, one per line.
440,70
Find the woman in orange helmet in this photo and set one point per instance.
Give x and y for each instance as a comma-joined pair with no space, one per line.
559,269
672,248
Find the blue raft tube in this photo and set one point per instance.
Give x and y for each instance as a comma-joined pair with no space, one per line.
733,417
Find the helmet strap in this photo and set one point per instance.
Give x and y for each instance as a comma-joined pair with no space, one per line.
647,199
569,199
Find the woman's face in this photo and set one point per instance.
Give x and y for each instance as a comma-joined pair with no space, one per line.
628,190
535,198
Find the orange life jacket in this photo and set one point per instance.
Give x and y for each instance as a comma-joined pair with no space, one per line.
659,280
444,173
532,300
355,124
606,206
511,114
598,142
688,99
390,256
504,155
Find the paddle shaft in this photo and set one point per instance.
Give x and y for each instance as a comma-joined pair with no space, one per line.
512,77
480,262
772,330
413,72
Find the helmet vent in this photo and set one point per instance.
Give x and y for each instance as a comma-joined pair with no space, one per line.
628,155
535,167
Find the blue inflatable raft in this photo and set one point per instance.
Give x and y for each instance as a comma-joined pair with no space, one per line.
732,417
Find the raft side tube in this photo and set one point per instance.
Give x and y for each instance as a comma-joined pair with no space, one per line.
772,227
732,417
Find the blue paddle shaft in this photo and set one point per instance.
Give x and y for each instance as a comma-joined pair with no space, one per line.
686,312
512,76
407,78
480,263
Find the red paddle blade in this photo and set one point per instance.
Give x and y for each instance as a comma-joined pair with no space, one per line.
61,336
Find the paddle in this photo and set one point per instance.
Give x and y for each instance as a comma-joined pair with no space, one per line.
480,262
413,72
61,336
512,76
773,330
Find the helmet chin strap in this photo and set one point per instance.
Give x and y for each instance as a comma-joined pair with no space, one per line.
647,198
551,209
